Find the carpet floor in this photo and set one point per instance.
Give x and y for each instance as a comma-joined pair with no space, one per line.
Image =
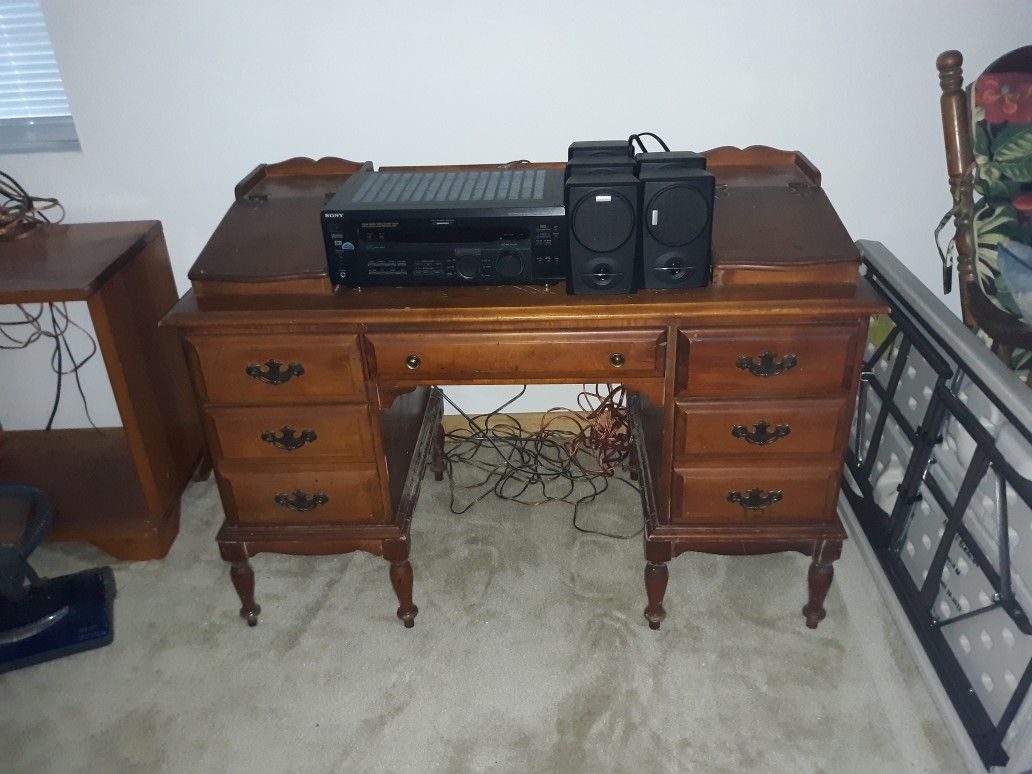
529,654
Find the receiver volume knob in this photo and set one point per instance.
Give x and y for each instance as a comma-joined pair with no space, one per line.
468,266
509,264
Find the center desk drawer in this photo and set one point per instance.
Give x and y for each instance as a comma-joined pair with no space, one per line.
783,360
309,495
572,355
290,433
260,368
755,494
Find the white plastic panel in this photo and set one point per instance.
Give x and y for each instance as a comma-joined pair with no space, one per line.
890,464
915,388
993,655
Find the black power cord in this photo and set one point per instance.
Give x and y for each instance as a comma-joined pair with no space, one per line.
636,138
20,211
569,450
12,336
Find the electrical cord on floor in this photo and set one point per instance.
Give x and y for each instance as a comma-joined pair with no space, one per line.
569,449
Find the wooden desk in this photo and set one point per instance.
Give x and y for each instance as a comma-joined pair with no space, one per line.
117,488
313,402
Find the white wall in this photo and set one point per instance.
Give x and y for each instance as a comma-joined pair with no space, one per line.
175,101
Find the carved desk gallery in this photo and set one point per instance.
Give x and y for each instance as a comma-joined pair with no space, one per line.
320,411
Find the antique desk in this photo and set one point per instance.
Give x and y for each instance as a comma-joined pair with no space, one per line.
317,403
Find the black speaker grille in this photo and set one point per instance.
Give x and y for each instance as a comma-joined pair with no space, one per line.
602,221
677,215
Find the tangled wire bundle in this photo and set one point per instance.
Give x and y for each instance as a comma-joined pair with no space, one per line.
568,453
20,212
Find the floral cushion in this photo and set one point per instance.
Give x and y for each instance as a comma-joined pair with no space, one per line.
1002,117
1016,269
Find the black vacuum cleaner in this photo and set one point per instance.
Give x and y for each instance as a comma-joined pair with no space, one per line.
42,619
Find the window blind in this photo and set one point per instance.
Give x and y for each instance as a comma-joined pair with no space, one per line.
34,112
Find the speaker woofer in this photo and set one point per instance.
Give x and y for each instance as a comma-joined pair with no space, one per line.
603,221
677,215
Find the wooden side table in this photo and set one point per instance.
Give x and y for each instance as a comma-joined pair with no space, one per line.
117,488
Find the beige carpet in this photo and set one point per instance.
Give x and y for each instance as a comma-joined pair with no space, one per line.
529,654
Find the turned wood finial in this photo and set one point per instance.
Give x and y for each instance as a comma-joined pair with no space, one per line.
956,131
951,73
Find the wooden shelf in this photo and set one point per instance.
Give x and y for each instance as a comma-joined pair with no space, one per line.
91,478
69,261
115,488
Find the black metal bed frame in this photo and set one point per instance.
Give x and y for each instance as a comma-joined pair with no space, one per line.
944,344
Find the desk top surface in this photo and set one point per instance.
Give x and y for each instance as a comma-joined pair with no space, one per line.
513,305
68,261
770,212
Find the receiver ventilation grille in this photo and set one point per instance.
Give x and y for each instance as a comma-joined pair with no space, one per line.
470,186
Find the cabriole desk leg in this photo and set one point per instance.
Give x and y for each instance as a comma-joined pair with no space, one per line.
396,552
401,579
242,575
819,579
656,575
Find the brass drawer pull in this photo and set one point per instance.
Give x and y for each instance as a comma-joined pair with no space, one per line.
617,359
412,362
755,499
288,438
274,372
760,435
300,501
768,365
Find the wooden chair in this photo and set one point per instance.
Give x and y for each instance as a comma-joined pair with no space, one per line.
1006,331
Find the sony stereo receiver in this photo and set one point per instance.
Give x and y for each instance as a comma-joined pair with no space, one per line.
458,227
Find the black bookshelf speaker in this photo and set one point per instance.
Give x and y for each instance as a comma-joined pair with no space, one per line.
671,160
602,220
594,165
599,149
677,227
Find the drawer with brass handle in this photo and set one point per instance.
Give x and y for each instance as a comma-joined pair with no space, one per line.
795,360
755,499
308,495
291,433
301,501
755,494
278,368
767,364
563,355
705,428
